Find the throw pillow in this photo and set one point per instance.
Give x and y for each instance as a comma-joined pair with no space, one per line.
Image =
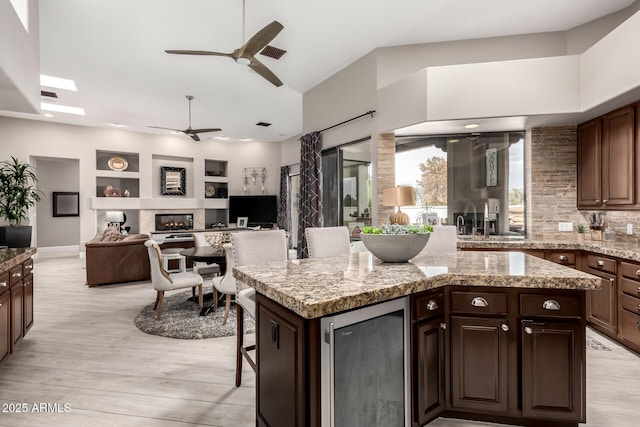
111,234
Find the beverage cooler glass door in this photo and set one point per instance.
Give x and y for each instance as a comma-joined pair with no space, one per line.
365,362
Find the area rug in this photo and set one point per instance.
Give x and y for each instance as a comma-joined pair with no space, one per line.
594,344
181,319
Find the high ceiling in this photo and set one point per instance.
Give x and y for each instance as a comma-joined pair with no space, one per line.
114,51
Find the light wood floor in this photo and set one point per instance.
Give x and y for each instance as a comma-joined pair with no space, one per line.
84,350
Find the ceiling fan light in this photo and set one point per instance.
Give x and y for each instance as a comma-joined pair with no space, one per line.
243,61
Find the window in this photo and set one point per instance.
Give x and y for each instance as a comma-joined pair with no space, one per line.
458,178
347,186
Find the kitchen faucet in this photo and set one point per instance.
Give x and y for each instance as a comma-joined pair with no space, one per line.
475,215
460,224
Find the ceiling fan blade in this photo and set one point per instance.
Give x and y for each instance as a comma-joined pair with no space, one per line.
260,39
203,130
198,52
194,136
266,73
175,130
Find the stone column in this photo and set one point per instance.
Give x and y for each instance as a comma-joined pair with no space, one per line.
386,172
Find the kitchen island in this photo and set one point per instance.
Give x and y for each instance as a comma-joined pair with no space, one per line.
489,335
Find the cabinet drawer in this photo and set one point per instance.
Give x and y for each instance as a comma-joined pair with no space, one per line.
551,305
4,281
566,258
601,263
630,270
27,267
15,275
470,302
630,303
630,287
426,306
630,327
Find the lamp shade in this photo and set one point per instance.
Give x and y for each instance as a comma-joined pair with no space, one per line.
114,216
398,196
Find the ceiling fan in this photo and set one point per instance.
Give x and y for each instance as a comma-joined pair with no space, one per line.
193,133
245,54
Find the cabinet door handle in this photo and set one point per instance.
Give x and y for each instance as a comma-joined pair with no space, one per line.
600,263
612,280
16,275
479,302
28,267
443,325
638,289
275,329
563,258
597,201
528,330
432,305
4,285
551,304
637,272
504,327
605,200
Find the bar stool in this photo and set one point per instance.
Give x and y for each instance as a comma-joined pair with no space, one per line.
174,253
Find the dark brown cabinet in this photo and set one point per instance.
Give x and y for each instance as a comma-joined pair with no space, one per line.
281,352
5,323
479,364
606,161
17,320
552,370
602,306
428,381
27,303
629,305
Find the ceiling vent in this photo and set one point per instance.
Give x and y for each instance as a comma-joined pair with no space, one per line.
264,124
48,94
273,52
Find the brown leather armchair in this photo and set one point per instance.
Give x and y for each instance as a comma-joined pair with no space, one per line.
124,260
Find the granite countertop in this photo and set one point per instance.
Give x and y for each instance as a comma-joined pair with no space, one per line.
11,257
629,251
314,288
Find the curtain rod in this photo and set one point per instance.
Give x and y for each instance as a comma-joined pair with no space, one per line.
368,113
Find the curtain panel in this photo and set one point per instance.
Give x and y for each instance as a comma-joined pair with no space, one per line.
310,203
284,204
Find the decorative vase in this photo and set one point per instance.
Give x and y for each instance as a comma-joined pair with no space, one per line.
126,193
16,236
395,247
580,237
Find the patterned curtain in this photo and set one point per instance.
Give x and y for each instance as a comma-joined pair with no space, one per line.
310,204
284,207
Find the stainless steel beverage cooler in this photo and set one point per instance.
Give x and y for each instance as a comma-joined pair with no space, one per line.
365,365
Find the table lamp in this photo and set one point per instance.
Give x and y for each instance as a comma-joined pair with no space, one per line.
396,197
115,219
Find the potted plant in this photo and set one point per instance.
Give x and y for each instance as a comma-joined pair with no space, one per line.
395,243
18,193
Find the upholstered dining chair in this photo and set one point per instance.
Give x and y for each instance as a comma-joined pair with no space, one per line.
252,248
207,239
324,242
225,284
163,281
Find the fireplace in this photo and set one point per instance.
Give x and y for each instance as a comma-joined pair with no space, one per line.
169,222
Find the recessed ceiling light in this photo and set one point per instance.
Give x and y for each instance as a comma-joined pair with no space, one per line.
117,125
58,83
48,115
453,140
62,108
246,139
471,126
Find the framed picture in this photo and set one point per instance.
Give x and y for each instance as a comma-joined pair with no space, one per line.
173,181
66,203
492,167
242,221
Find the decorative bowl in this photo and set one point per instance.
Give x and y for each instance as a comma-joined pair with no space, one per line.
395,247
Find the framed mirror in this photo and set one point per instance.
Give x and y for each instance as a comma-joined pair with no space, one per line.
173,181
66,203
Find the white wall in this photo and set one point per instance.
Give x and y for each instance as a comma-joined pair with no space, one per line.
19,60
25,138
56,175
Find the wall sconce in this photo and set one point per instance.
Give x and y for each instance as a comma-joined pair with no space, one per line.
255,175
396,197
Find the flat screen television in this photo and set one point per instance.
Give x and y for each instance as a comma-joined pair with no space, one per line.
260,210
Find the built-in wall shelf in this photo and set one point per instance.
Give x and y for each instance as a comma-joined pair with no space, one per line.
119,203
121,161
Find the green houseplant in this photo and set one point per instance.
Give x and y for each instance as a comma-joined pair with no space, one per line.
395,243
18,193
